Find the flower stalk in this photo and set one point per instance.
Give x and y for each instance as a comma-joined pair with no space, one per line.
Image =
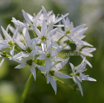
26,89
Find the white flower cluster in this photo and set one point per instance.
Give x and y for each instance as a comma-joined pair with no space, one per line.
37,42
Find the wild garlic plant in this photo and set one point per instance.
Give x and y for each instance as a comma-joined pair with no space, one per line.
40,50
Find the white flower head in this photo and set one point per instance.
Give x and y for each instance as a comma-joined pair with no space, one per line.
52,35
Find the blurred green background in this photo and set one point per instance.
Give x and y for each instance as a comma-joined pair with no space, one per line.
12,81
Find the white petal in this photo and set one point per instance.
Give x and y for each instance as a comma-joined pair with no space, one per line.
45,12
21,45
33,71
50,27
32,54
42,68
71,25
36,31
78,28
53,83
54,53
82,31
20,66
42,57
59,19
47,64
80,87
43,45
7,36
53,64
8,27
15,33
48,78
26,34
72,67
12,51
54,44
74,79
49,44
38,15
18,23
81,67
12,29
50,13
87,44
63,19
88,78
61,64
61,75
67,21
57,58
1,38
88,49
86,61
29,43
76,40
2,62
19,55
30,16
79,78
87,54
43,28
52,32
3,46
58,25
26,17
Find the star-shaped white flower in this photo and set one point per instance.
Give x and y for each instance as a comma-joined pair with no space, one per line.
45,34
29,44
25,61
85,50
78,76
20,36
29,20
50,18
49,53
9,41
53,72
74,35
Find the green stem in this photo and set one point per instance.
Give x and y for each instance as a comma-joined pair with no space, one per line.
23,96
59,40
64,46
34,34
64,83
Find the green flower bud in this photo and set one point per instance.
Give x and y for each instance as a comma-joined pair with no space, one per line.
48,55
28,50
10,43
43,38
29,62
4,54
51,72
68,31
